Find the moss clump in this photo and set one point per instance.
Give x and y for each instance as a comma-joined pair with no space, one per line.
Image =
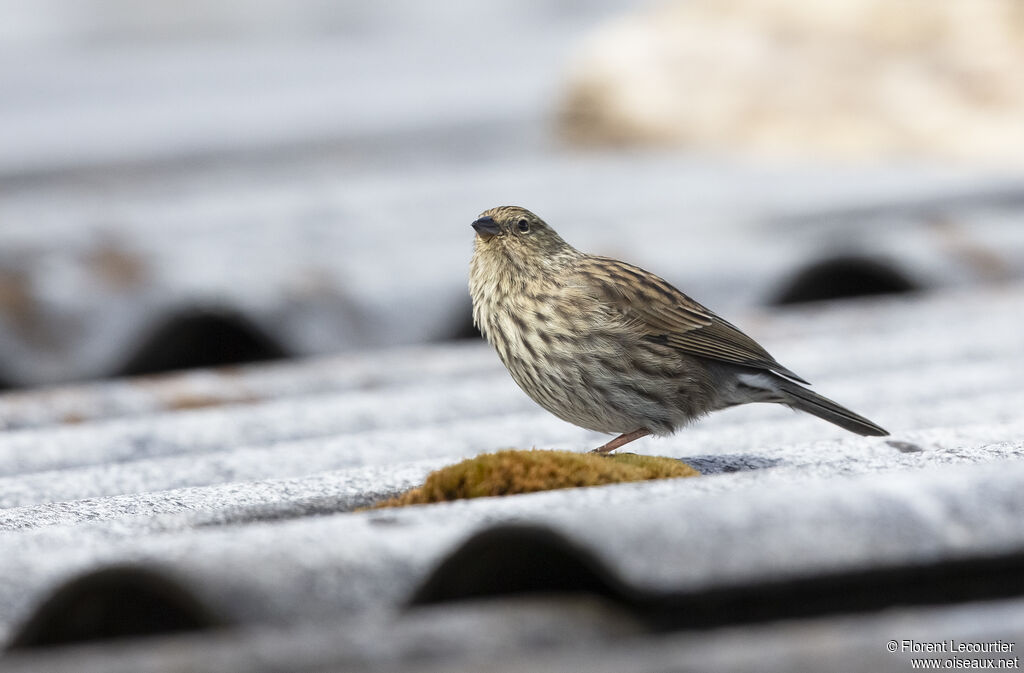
510,472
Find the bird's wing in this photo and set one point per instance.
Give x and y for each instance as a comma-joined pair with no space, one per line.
668,316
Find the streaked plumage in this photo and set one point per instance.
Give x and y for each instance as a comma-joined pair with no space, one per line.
610,347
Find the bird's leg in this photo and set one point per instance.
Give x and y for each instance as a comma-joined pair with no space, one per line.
622,440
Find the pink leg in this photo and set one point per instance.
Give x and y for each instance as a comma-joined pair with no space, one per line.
622,440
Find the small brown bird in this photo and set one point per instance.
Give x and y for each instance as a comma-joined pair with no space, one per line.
613,348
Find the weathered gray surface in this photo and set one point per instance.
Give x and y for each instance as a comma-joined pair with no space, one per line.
249,503
539,635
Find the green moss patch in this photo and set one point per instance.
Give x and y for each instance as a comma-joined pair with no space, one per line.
510,472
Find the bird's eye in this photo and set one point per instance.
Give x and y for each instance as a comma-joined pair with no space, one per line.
524,226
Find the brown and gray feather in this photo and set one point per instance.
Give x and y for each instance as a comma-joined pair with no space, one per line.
611,347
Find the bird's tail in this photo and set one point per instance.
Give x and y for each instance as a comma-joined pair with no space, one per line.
800,398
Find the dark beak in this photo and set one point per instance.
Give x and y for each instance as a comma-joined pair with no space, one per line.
486,227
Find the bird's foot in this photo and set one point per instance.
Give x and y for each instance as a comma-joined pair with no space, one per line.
621,440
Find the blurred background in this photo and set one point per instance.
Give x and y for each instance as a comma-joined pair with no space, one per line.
208,183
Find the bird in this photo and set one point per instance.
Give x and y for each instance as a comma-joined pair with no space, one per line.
613,348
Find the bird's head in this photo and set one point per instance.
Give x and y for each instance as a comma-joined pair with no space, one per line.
520,238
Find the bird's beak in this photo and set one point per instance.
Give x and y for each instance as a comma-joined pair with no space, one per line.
486,227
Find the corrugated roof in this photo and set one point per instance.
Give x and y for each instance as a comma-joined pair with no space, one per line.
247,504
